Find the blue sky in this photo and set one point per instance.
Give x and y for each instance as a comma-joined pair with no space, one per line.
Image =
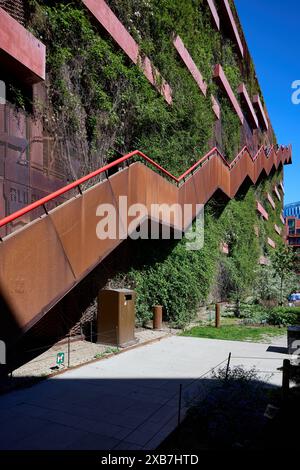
273,35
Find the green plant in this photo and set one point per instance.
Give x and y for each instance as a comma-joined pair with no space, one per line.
99,105
284,316
254,313
106,352
236,373
168,274
283,260
234,332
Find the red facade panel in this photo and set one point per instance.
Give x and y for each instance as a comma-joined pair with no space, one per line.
216,107
242,90
123,38
187,59
271,201
21,53
277,229
260,112
262,211
264,261
232,23
281,186
224,248
214,13
277,193
271,243
220,76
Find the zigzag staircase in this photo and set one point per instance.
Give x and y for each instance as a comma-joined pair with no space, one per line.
44,260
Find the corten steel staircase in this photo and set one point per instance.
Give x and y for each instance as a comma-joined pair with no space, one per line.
43,261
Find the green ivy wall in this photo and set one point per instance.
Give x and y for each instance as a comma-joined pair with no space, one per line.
103,104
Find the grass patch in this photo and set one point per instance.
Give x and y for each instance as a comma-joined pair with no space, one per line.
235,332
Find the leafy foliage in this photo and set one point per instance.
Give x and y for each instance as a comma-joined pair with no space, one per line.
237,224
178,280
284,316
99,105
278,316
268,288
283,260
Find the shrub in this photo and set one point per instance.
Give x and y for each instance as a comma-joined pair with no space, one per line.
236,373
254,313
277,316
284,316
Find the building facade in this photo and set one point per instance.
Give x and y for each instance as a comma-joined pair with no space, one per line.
292,224
293,231
37,158
292,210
89,81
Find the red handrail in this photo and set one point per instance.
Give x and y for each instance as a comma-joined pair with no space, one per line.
77,183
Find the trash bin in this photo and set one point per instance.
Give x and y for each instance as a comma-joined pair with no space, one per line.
116,317
293,339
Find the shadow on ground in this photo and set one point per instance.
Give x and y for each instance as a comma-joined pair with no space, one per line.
125,414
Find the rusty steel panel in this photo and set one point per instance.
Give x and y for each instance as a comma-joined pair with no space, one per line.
2,158
15,166
119,187
76,223
96,249
137,194
68,222
3,124
150,188
137,183
25,176
34,271
189,195
160,194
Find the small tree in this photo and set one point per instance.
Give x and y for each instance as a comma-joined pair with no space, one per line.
283,263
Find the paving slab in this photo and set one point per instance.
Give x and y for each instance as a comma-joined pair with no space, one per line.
128,401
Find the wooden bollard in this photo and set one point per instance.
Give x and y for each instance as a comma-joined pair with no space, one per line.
157,317
218,315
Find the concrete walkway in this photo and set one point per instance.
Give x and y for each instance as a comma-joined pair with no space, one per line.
129,401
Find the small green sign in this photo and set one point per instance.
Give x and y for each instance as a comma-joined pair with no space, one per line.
60,358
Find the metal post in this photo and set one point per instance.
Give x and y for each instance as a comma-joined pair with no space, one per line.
218,315
285,378
91,332
179,404
69,350
228,366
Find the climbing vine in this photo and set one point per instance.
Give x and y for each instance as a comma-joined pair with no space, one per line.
101,105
